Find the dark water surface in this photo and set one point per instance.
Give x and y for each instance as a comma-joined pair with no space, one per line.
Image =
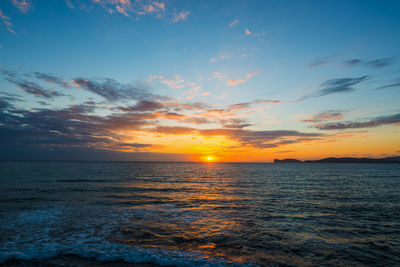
189,214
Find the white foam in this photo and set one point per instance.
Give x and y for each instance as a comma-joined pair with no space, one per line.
50,231
107,251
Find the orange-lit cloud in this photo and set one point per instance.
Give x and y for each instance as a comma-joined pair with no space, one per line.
122,10
131,120
180,16
232,82
22,5
7,22
133,9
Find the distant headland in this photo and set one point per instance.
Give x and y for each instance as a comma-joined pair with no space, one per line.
342,160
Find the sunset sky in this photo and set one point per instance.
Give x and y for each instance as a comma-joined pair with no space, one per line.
199,80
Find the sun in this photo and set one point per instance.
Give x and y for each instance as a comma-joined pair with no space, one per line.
209,158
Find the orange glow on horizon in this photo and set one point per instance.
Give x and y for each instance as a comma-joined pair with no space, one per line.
224,148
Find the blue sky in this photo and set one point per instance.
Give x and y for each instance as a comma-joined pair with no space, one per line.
284,61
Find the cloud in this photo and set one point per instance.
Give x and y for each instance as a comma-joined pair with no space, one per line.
325,116
339,85
376,63
352,62
220,57
173,130
396,84
375,122
33,88
380,63
265,101
71,126
112,90
174,82
333,86
129,8
233,23
234,123
69,4
247,31
319,62
134,145
97,126
6,101
53,79
244,105
161,6
263,139
257,139
143,105
9,74
7,22
180,16
254,73
22,5
232,82
122,10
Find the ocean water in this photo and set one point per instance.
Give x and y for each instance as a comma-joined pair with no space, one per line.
197,214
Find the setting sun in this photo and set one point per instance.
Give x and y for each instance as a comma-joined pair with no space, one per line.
209,158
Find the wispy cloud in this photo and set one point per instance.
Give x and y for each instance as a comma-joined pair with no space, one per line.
112,90
143,105
232,82
380,63
29,87
174,82
376,63
375,122
395,84
53,79
23,5
180,16
7,22
35,89
352,62
161,6
252,74
220,57
334,86
339,85
122,10
325,116
69,4
233,23
319,62
132,9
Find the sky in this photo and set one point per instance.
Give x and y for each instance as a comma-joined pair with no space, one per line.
234,81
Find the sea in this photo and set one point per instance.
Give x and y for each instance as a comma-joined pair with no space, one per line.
200,214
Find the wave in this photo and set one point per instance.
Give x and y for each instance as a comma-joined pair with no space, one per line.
53,231
111,252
